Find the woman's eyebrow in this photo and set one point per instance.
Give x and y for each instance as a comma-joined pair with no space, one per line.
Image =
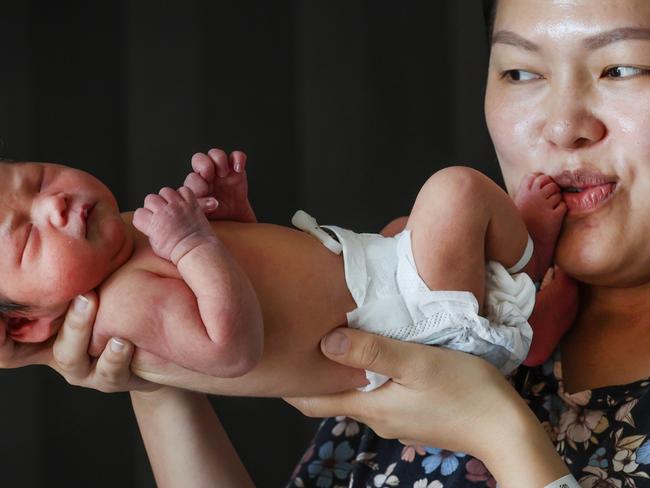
512,39
592,43
621,34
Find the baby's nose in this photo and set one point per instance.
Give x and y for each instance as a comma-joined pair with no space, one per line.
54,208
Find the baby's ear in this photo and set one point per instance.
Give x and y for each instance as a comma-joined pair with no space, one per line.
30,329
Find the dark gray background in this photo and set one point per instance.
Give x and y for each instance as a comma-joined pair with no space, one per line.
344,108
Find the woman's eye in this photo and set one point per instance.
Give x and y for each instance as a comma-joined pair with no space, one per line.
520,75
624,72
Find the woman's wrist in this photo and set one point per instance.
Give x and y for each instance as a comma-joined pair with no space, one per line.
522,454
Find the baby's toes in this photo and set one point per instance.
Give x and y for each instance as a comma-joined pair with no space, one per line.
554,200
527,182
541,180
551,189
560,208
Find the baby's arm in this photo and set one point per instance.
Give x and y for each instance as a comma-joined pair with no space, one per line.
179,232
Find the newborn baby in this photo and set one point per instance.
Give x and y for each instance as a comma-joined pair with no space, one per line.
201,294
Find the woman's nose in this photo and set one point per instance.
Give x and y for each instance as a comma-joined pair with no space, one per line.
570,123
53,208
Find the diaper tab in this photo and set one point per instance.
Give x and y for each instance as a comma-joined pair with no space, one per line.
305,222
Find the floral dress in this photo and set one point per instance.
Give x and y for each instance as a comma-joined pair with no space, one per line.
603,435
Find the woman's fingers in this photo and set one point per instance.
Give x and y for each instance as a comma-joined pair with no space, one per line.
71,344
348,404
363,350
113,369
431,399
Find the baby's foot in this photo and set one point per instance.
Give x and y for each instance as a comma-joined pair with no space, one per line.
222,177
539,200
556,306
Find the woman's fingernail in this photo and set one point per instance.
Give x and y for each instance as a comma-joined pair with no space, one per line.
80,304
116,345
237,167
211,203
336,343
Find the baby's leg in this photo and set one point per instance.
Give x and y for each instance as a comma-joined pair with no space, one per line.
460,219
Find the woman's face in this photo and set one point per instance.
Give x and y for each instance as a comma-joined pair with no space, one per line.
568,94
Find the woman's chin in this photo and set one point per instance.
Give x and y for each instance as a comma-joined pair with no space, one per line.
592,262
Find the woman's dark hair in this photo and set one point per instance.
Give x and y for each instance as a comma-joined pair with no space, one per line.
489,11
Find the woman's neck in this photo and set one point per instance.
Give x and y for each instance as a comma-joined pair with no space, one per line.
609,341
616,307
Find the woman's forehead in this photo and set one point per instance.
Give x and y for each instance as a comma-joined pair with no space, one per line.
558,17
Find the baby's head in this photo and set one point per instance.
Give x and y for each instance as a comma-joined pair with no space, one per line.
61,235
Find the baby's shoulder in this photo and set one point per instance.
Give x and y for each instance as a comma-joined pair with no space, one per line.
137,276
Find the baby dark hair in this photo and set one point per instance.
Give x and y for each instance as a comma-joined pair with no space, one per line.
7,307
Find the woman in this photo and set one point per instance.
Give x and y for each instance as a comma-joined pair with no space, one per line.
568,94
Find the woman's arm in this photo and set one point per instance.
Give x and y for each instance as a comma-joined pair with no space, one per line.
185,441
182,435
441,398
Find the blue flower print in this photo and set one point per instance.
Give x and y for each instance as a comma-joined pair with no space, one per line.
599,458
643,453
447,459
333,462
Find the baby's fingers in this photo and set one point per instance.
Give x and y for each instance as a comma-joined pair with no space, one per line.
142,219
154,202
207,204
203,165
238,161
220,160
170,195
198,185
187,195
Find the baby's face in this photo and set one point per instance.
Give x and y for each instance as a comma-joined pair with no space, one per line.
61,234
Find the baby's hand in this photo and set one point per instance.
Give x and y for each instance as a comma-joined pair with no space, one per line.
174,223
224,178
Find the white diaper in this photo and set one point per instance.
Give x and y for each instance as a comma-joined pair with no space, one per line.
393,300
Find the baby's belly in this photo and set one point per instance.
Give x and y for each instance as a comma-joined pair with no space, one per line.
301,288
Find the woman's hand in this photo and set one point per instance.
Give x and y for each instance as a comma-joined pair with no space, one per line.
442,398
67,353
437,396
110,372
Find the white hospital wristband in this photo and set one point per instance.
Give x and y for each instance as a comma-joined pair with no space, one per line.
567,481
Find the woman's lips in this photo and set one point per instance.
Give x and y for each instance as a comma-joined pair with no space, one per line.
588,199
